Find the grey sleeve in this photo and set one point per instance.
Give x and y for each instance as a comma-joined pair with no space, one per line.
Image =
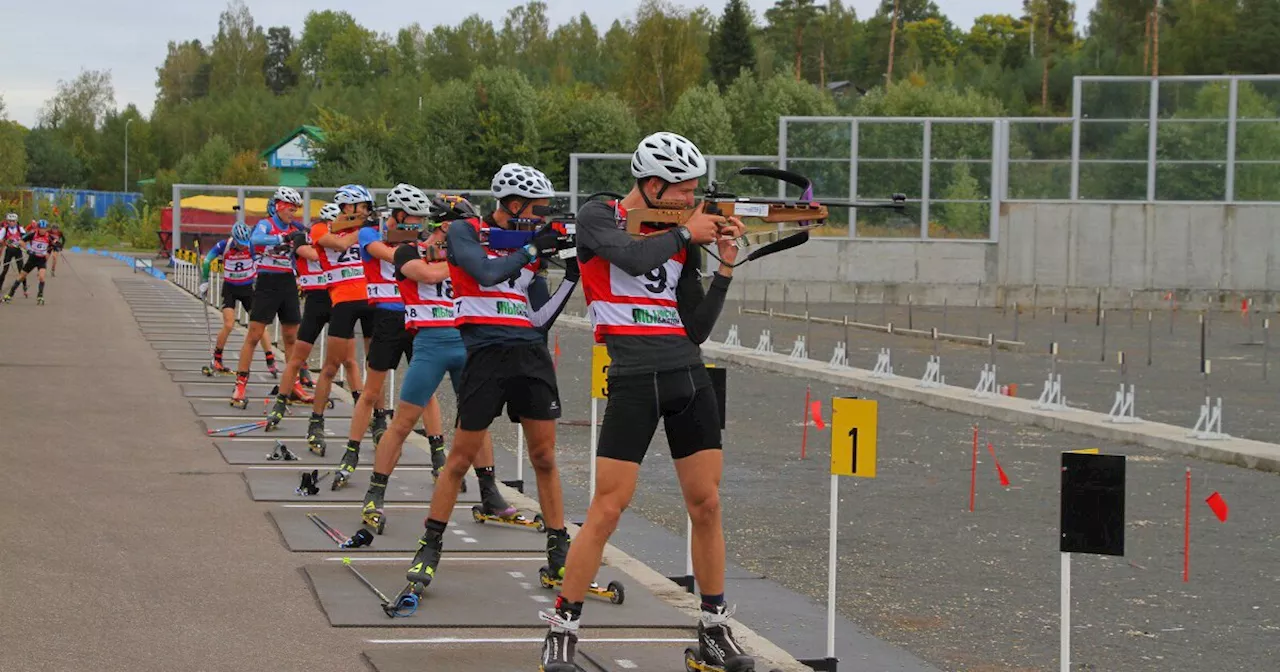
547,307
698,310
598,235
466,252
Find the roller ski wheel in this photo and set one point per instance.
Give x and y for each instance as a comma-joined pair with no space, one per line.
614,592
39,300
340,478
207,371
8,298
276,414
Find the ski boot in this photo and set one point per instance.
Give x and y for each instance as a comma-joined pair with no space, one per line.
425,561
315,435
373,515
378,424
494,507
302,396
271,365
277,413
39,300
552,575
304,377
717,650
8,298
240,398
560,645
346,468
438,458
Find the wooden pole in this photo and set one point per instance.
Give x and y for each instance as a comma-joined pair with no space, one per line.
893,38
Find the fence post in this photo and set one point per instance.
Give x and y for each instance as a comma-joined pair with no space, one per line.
1076,103
927,149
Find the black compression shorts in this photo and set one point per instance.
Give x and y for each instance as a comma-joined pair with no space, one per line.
316,308
522,377
233,293
343,318
33,262
390,341
683,398
275,295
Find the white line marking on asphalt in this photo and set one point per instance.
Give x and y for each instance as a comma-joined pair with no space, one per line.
528,640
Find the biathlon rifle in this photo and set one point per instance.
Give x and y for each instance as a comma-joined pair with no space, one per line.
801,214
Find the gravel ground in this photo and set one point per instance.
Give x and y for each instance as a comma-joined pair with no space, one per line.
974,591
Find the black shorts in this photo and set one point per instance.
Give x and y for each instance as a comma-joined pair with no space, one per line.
233,293
684,399
390,341
275,295
316,308
33,262
522,377
343,318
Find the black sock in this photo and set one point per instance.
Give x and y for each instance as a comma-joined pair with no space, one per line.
436,526
317,416
40,290
713,603
355,395
570,611
485,474
379,480
436,440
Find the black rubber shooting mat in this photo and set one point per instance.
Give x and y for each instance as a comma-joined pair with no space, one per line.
294,427
411,486
190,340
191,374
403,528
261,403
477,593
255,450
192,350
522,657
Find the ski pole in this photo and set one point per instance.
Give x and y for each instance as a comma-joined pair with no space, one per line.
333,534
404,605
235,427
261,424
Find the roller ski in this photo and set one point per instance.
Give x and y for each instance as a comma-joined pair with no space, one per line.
240,397
717,650
373,515
39,300
378,424
216,369
347,467
552,574
560,645
493,507
425,561
315,435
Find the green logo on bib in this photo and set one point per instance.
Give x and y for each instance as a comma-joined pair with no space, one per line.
441,313
655,316
510,308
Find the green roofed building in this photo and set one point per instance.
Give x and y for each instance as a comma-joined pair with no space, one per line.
291,156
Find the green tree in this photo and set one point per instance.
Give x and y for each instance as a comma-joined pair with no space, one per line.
731,48
13,153
452,53
208,165
574,120
184,74
1257,39
789,22
577,53
239,50
929,42
701,116
525,41
278,67
754,108
50,162
961,220
664,59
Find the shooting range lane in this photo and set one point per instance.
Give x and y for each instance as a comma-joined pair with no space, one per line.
1171,390
260,404
404,527
279,483
918,569
479,593
254,451
650,656
291,427
221,391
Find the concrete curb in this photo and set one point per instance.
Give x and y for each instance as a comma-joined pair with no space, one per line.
768,655
1168,438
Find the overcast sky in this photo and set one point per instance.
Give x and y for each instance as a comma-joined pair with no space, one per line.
49,40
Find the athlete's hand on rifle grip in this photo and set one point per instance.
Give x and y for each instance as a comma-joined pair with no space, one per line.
703,228
726,244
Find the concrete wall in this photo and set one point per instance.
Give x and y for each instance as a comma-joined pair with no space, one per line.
1201,252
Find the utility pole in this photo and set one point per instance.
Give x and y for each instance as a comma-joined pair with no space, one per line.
126,154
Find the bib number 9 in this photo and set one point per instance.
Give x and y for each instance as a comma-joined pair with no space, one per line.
658,278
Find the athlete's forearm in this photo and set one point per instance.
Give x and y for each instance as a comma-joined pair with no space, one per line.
381,251
430,273
547,308
698,311
308,252
335,241
634,256
466,252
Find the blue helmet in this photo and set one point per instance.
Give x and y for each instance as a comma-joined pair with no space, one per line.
43,224
240,233
352,194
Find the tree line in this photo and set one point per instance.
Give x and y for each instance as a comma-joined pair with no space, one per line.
445,105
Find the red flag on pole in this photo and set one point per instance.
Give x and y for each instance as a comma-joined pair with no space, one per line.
1219,506
1004,478
816,409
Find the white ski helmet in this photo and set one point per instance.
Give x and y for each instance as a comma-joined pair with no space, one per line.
11,217
329,212
351,194
410,199
515,179
288,195
670,157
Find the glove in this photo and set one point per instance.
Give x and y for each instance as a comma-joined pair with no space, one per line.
296,239
571,271
403,255
545,240
204,289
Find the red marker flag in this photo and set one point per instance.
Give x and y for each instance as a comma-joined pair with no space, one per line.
1004,478
816,409
1219,506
